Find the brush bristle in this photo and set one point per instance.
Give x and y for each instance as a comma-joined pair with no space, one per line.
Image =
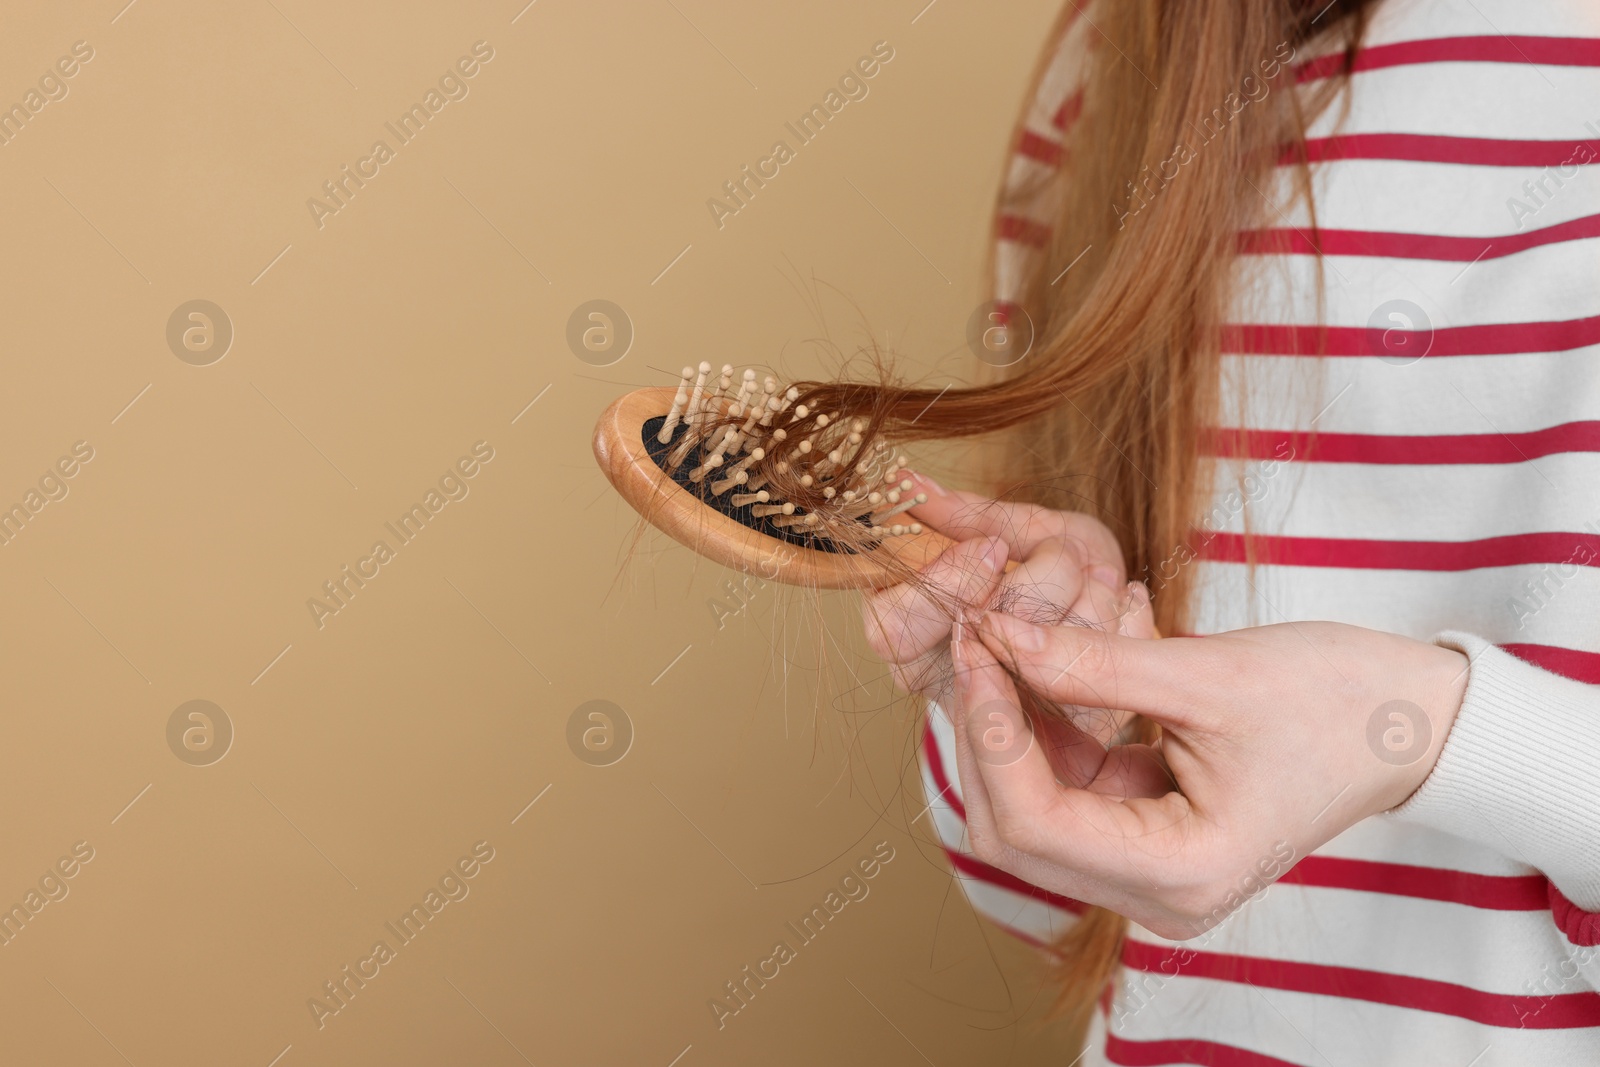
757,454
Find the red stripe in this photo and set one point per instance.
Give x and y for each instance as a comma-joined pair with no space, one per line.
973,867
1433,148
1023,230
1023,935
1547,51
1559,1012
1581,927
1043,149
1412,245
941,781
1186,1050
1503,338
1493,892
1068,112
1567,662
1441,449
1349,553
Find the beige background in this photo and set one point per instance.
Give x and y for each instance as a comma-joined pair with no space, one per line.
368,355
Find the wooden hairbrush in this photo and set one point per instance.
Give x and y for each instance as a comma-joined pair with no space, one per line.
746,475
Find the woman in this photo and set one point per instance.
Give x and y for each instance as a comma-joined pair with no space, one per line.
1311,294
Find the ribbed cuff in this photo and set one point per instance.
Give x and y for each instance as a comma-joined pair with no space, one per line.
1520,770
1581,927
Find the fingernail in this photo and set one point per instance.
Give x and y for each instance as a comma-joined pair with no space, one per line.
994,554
1017,634
1106,576
938,490
1138,598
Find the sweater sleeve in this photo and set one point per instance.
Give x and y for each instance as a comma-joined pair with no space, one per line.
1520,774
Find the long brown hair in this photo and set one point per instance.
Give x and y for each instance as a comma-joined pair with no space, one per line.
1185,163
1188,107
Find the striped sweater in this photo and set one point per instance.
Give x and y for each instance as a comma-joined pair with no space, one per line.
1451,492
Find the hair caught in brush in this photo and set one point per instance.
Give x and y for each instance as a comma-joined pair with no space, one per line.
773,459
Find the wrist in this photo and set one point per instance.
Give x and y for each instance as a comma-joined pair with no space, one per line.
1420,697
1444,673
1445,680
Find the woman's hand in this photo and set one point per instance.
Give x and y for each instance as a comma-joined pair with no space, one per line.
1069,566
1274,740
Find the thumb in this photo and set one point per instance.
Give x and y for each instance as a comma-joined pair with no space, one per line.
1023,527
1088,667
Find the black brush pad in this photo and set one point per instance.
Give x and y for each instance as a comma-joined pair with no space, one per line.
660,453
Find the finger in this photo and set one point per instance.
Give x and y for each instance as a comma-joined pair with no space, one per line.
1139,620
1000,760
1076,756
928,675
1084,760
1163,680
974,797
1097,836
1123,770
1022,526
1102,604
1126,610
1076,739
1044,586
909,620
1134,771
